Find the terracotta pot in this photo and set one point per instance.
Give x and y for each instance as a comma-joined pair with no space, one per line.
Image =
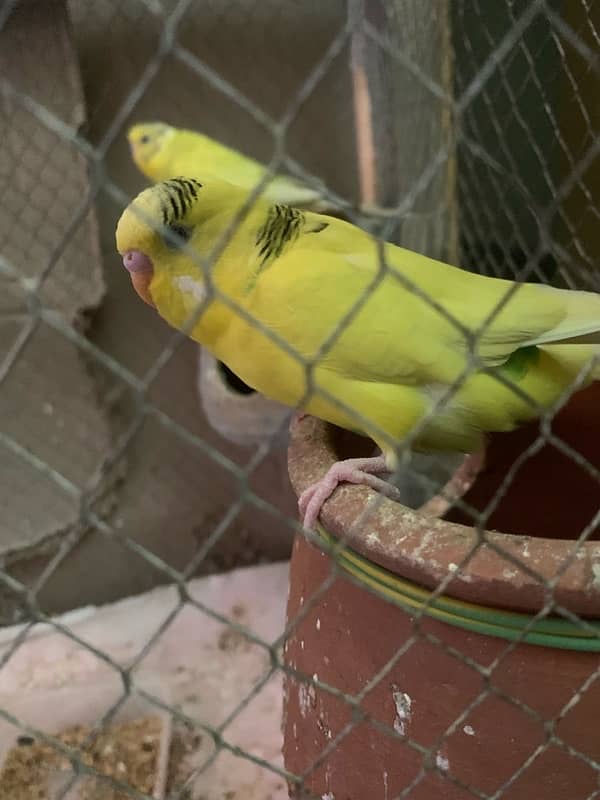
239,414
439,711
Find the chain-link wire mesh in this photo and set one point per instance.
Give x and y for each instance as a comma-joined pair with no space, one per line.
465,130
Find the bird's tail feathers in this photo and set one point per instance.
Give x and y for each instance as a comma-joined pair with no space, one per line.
576,357
580,325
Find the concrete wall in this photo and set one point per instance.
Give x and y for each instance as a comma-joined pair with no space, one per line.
163,493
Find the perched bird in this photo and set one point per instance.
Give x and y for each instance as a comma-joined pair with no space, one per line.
423,350
161,151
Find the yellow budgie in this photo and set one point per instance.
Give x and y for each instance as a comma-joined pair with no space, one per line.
300,274
161,151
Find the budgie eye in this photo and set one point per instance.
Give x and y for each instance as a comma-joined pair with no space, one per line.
144,139
177,235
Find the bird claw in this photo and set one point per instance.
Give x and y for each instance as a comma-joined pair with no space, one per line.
352,470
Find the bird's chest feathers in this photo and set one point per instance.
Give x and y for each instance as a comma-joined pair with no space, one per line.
193,291
179,298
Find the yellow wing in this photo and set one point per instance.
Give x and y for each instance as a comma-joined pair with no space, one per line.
403,331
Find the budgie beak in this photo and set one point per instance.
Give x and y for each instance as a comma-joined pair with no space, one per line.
141,270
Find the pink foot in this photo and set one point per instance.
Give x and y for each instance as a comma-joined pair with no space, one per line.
352,470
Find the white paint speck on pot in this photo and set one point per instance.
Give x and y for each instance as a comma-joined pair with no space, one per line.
469,730
306,698
324,727
442,762
403,703
423,544
328,796
385,785
318,625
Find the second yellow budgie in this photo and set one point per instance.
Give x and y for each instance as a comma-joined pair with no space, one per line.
161,151
397,356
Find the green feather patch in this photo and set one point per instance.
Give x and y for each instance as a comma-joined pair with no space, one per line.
521,361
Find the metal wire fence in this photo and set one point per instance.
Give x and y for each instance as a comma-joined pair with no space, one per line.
480,146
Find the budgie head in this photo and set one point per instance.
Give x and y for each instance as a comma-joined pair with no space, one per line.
147,139
167,236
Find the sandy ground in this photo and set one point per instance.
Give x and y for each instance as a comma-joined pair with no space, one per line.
203,667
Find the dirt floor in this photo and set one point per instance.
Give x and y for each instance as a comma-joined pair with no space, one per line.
205,673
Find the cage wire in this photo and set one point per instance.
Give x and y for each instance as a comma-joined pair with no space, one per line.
465,130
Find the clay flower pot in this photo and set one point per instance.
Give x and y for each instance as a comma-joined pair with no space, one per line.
390,690
240,415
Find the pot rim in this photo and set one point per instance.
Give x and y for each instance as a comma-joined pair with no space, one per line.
492,568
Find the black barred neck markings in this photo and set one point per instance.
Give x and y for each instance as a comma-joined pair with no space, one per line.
177,197
282,225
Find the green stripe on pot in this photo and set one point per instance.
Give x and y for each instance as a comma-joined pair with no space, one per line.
503,624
